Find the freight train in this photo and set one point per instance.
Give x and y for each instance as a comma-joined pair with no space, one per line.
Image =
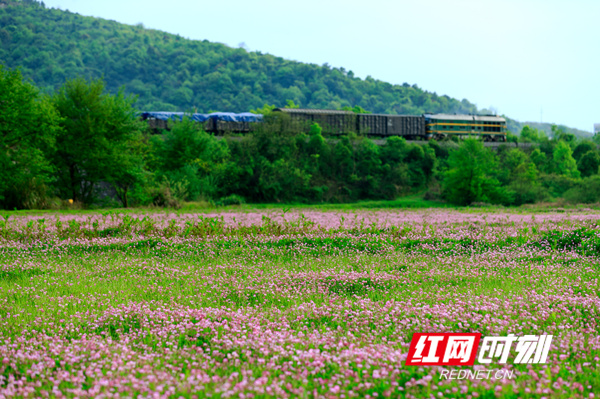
411,127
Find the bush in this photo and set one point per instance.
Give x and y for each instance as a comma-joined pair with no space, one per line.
434,191
170,194
232,199
469,179
557,185
585,192
526,193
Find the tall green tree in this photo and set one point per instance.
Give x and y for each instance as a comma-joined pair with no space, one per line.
582,148
588,163
559,134
95,144
520,176
189,156
317,149
28,128
532,135
539,159
564,163
129,170
468,178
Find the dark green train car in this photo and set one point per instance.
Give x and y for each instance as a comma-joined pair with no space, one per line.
411,127
331,121
490,127
340,122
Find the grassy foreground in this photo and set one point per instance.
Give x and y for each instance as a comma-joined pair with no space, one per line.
274,304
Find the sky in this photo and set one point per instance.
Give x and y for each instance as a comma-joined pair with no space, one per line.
531,60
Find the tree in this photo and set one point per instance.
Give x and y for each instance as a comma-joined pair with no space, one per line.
28,127
468,177
188,155
582,148
564,163
343,158
589,163
586,191
265,110
94,145
368,165
291,104
520,177
539,159
129,170
316,148
531,135
357,109
511,138
559,134
281,180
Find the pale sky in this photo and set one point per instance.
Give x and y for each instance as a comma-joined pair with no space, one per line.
531,60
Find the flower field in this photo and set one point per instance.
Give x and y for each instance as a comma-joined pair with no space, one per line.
292,304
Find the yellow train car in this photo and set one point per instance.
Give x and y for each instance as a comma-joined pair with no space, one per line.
489,127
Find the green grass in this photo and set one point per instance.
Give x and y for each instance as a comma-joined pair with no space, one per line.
367,288
409,202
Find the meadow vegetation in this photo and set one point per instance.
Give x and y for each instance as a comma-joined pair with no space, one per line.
274,264
279,303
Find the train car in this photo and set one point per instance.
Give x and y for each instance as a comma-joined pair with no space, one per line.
490,127
227,122
216,122
340,122
411,127
373,124
160,120
331,121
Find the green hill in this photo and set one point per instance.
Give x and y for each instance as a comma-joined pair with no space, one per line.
171,73
547,128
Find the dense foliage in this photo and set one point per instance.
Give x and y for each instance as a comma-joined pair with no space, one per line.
99,134
28,128
87,146
170,73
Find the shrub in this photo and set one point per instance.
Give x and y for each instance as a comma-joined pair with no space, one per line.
585,192
232,199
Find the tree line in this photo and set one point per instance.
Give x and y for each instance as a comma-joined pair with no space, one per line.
83,144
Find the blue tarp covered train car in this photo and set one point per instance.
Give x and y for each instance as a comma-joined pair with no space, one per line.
216,116
231,117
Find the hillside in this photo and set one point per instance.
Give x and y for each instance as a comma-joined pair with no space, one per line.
547,128
171,73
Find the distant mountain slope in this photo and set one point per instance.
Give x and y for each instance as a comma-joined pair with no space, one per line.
547,128
169,72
